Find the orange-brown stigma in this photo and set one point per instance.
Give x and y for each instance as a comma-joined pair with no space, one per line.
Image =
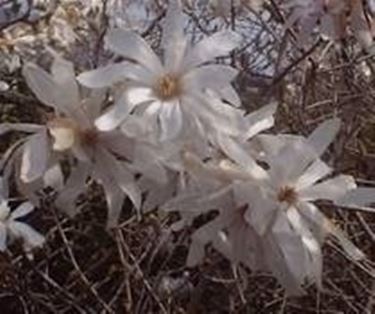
167,87
88,137
288,195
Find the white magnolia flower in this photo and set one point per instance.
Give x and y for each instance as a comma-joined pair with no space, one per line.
71,131
291,185
169,94
334,17
271,222
11,228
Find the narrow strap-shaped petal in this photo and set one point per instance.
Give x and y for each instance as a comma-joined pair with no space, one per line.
324,135
103,77
22,210
74,186
215,114
315,264
115,200
313,213
359,198
230,95
67,93
353,252
3,237
332,189
200,238
316,171
260,120
235,152
31,237
171,120
110,74
173,38
213,76
21,127
116,114
41,83
123,177
219,44
157,193
35,157
130,45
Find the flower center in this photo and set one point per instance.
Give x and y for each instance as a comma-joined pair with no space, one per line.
288,195
89,137
167,87
66,133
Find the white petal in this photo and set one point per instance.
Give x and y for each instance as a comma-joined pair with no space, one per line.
235,152
41,83
130,45
221,117
54,177
157,193
170,116
67,94
115,115
4,188
30,237
314,173
74,186
316,263
332,189
173,38
260,120
21,127
115,199
123,177
219,44
358,198
346,244
271,145
138,95
212,76
291,161
200,238
261,213
314,218
324,135
286,255
3,237
230,95
35,157
196,254
117,142
4,210
104,76
22,210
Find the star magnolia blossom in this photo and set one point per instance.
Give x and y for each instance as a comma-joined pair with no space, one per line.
11,228
170,95
267,219
334,18
71,131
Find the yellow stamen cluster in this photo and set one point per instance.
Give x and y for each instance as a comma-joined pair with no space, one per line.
167,87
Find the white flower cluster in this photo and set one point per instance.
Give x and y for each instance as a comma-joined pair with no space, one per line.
334,18
174,138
